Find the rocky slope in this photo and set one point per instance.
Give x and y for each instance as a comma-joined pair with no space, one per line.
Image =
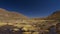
54,16
47,21
7,16
14,17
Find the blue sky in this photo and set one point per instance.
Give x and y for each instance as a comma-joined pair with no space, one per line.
31,8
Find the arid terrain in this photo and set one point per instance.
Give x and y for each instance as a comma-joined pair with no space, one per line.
14,21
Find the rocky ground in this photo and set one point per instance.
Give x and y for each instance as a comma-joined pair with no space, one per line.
14,21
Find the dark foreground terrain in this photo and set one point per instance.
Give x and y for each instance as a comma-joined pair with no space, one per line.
9,29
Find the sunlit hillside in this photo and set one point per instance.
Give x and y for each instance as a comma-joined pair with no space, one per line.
11,17
19,20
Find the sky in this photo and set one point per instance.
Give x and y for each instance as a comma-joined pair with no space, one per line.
31,8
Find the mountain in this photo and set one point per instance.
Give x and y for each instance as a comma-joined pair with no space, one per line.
13,17
10,16
55,15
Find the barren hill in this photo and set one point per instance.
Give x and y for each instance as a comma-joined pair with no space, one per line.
7,16
54,15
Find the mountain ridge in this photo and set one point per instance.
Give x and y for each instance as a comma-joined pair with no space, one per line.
54,16
7,16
